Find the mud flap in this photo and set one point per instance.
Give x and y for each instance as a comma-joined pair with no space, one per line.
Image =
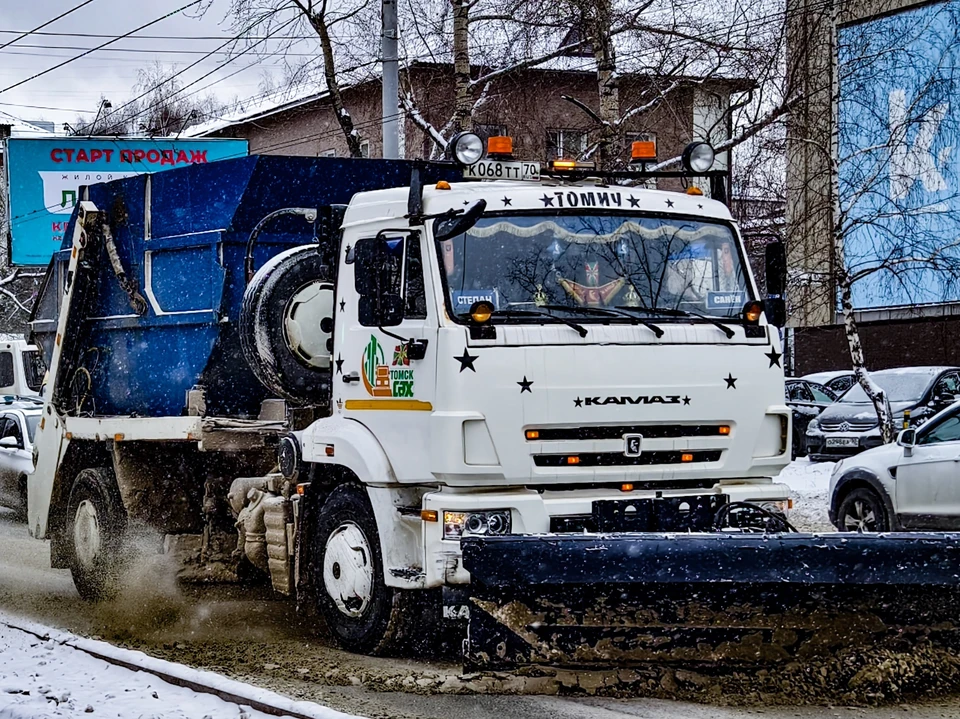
719,598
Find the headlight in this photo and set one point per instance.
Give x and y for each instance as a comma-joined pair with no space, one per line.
288,457
781,506
698,157
466,149
813,426
490,522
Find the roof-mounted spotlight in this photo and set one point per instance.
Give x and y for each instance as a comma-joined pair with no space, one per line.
698,157
466,148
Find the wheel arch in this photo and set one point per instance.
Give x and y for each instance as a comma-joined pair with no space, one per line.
862,479
358,456
79,455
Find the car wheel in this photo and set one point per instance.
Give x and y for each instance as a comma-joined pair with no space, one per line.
862,511
361,612
96,523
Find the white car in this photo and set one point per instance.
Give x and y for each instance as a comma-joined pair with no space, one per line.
911,484
18,424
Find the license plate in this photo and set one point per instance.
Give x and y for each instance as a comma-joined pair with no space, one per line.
843,442
497,170
631,444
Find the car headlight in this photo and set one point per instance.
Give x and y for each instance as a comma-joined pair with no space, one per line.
813,426
495,522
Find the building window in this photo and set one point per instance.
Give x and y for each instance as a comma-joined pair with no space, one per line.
329,153
569,144
365,148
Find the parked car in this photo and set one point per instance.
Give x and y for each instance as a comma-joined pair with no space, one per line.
807,400
850,424
18,425
912,484
837,382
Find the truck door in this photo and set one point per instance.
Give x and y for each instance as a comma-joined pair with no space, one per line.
385,376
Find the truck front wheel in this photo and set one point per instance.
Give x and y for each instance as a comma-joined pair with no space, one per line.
362,613
96,522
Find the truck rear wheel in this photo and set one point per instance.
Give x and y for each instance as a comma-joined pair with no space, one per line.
96,522
361,612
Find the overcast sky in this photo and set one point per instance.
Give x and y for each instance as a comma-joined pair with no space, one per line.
79,85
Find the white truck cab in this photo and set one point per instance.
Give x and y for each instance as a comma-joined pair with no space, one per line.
580,342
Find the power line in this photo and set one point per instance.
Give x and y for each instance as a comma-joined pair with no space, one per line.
43,25
109,42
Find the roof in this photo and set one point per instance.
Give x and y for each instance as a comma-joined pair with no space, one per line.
291,99
22,128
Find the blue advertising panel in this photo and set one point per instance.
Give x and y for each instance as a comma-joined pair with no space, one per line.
898,185
45,176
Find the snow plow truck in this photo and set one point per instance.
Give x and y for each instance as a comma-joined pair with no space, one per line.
541,402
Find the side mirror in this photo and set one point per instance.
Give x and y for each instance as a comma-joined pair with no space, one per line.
9,443
775,308
446,227
908,440
776,270
385,311
377,271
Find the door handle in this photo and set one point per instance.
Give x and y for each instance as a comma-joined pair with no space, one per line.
352,377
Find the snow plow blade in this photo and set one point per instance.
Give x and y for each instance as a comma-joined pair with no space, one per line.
621,599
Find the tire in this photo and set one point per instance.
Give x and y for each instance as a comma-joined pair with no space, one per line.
96,523
862,511
280,326
363,614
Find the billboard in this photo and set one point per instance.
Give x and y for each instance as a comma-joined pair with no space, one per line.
44,176
898,122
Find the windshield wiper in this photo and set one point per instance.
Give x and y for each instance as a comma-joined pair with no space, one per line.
603,312
667,312
581,330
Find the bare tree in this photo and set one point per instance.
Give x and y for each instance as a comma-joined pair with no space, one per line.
159,107
342,30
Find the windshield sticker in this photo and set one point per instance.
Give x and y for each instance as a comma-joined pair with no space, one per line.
463,300
725,300
382,380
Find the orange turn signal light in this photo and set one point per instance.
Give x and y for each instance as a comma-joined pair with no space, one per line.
329,450
694,190
627,487
752,312
429,515
302,488
724,429
500,145
686,457
573,460
643,151
532,434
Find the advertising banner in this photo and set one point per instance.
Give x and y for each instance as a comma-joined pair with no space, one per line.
45,174
898,119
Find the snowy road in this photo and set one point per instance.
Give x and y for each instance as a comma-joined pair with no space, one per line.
260,641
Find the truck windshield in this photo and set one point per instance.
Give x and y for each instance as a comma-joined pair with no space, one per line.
526,261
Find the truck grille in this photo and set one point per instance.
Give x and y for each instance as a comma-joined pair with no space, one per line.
649,431
848,426
618,459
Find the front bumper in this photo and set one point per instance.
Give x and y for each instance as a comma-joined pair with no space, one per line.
560,512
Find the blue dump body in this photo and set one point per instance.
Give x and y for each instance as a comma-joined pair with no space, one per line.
189,266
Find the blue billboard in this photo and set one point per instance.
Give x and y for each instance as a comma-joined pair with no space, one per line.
44,176
898,122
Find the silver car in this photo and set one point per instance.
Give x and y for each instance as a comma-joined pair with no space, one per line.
18,425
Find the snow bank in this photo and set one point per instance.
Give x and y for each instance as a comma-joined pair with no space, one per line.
59,675
809,483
